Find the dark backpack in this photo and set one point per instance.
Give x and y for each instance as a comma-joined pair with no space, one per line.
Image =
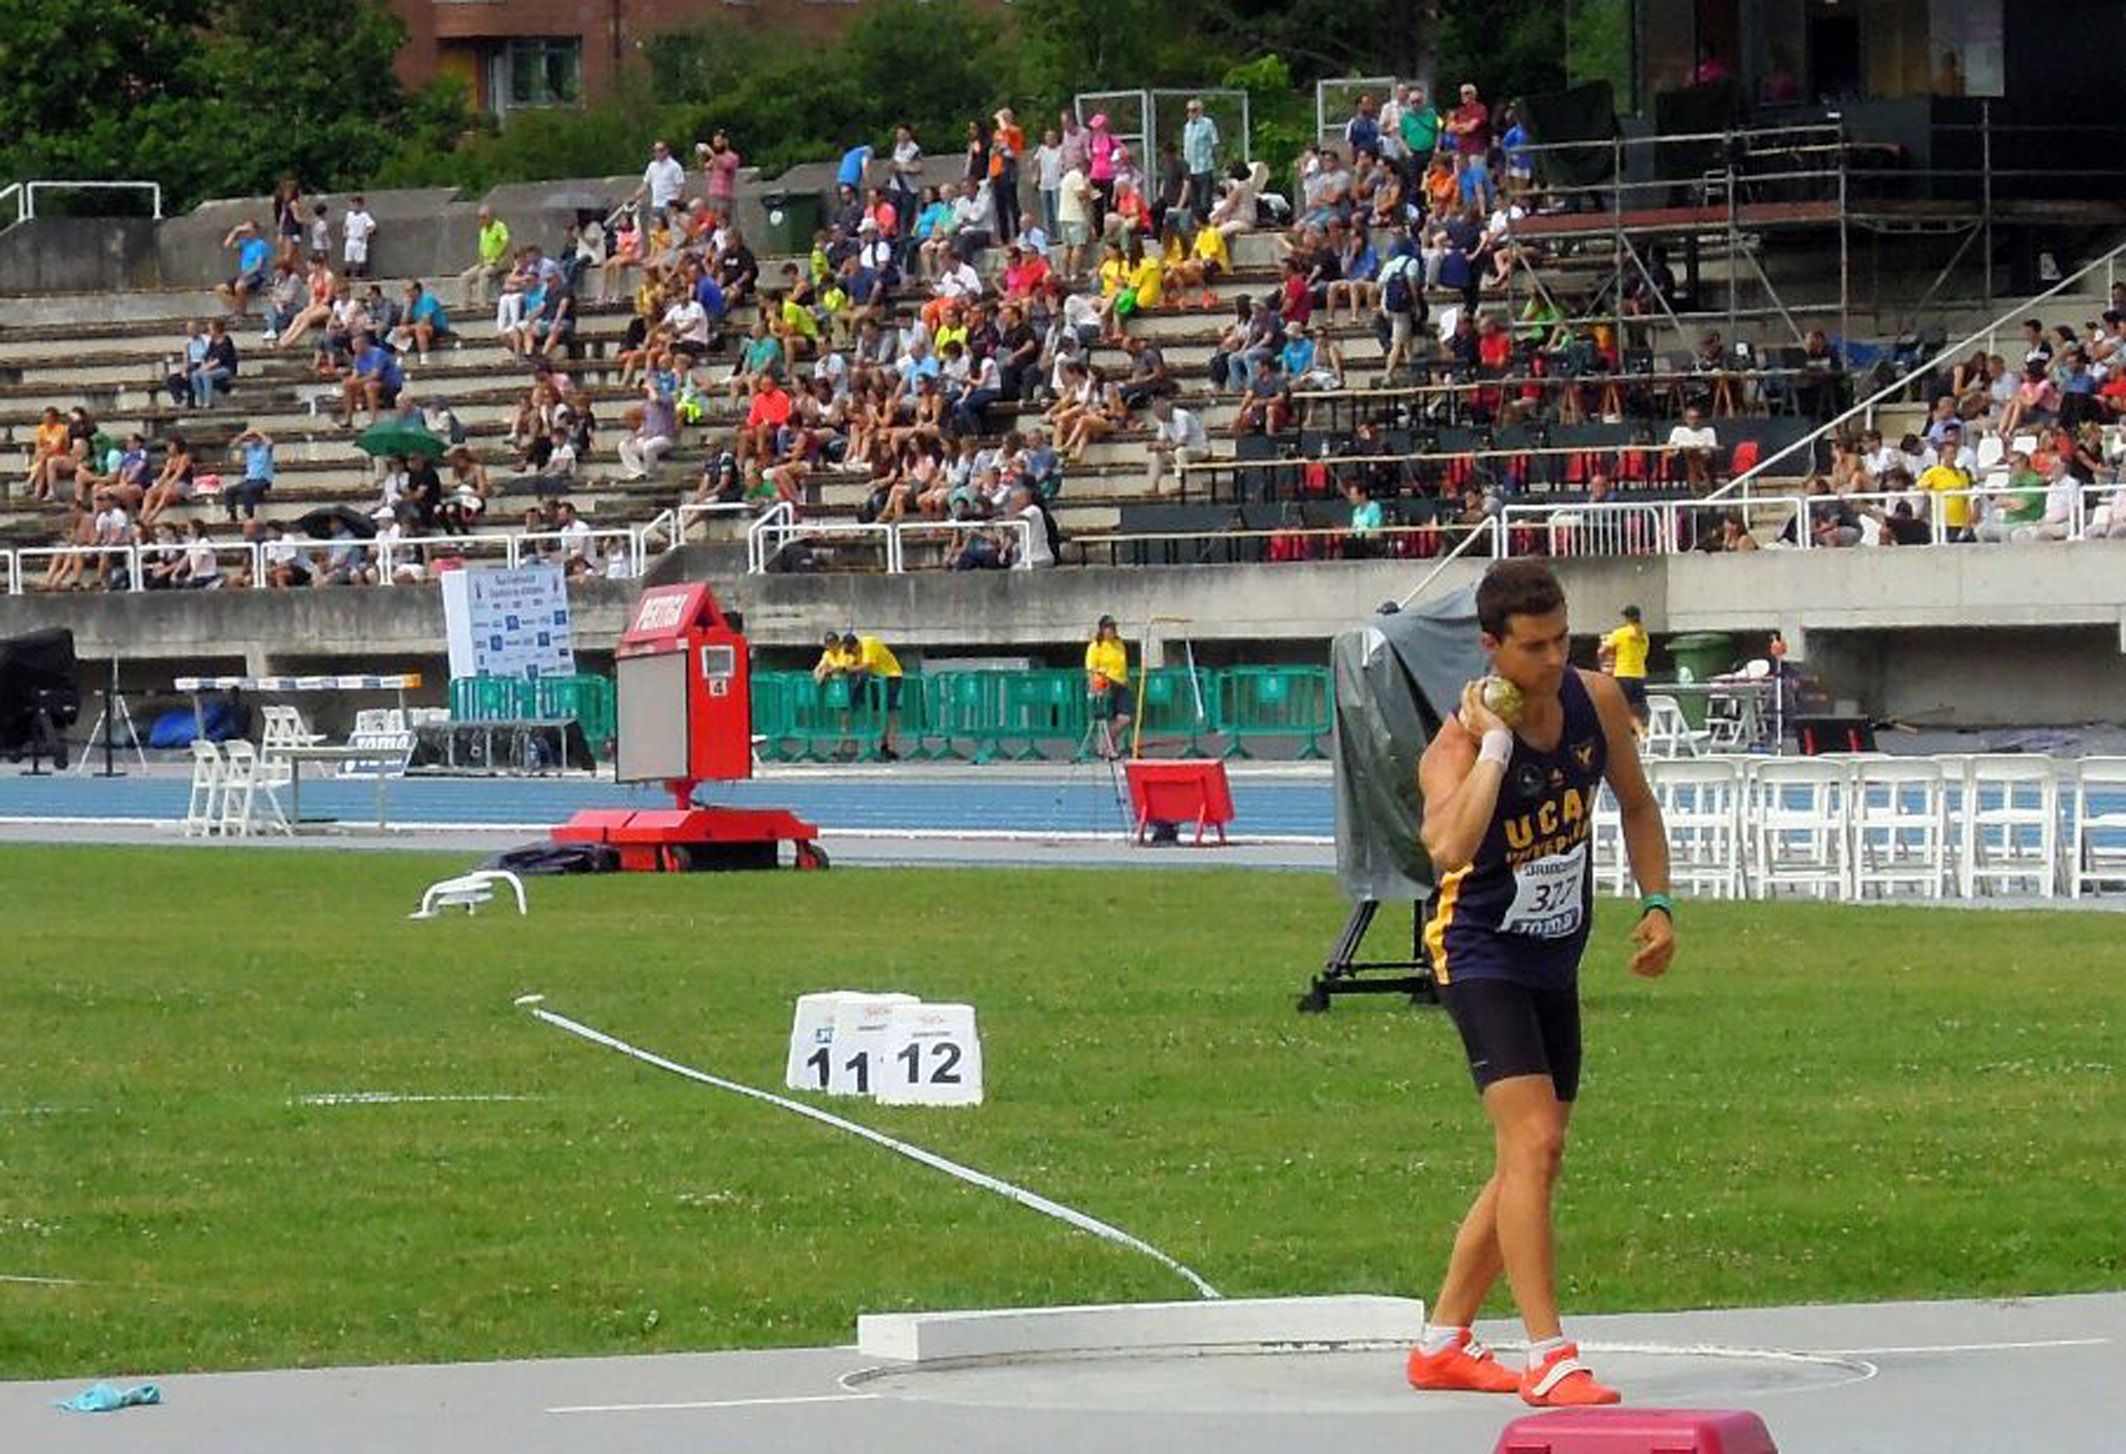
1395,295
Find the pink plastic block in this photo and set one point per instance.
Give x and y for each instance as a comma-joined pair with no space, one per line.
1637,1431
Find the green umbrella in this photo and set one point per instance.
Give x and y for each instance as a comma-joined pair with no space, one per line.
397,436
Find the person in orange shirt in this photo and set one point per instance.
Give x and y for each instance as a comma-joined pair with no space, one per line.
1006,144
47,454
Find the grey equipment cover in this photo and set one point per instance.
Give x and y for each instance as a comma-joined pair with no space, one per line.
1397,679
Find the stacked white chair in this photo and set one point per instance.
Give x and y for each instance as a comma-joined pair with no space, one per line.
1798,807
1701,805
2009,826
2099,854
1900,826
1668,731
1611,868
203,808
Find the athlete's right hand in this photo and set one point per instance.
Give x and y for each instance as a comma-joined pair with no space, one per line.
1476,718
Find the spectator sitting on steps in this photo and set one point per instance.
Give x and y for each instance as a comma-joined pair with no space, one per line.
253,256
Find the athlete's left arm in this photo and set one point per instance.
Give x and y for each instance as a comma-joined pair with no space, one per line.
1645,838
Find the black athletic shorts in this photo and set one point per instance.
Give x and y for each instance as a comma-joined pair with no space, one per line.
1515,1029
1634,689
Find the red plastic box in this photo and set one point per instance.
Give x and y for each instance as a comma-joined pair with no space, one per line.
1637,1431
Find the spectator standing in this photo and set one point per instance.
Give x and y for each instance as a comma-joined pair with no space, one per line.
906,168
1470,125
854,172
1102,166
492,262
1420,125
1007,143
1074,210
356,228
1623,655
1199,154
719,173
664,180
1107,684
1048,180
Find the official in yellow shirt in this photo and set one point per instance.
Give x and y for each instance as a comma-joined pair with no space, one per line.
875,669
1107,679
833,661
1624,649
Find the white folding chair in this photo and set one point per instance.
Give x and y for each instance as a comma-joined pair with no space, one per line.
203,808
1668,731
468,892
1900,826
1701,807
2099,824
1798,821
2010,825
1611,867
239,788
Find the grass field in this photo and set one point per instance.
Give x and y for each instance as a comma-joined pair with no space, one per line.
1818,1104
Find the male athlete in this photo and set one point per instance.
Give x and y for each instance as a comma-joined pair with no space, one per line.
1509,812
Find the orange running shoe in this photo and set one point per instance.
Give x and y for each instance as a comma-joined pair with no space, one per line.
1464,1365
1562,1381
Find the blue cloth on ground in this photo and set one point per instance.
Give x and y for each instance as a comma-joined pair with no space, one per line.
102,1398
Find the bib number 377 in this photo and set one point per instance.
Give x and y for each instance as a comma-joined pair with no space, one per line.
1549,896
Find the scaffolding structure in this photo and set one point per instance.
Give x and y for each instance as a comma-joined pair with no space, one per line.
1601,208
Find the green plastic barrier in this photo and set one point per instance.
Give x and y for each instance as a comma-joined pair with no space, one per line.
1169,706
585,699
774,712
1274,701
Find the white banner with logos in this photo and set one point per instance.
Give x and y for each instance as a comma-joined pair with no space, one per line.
508,623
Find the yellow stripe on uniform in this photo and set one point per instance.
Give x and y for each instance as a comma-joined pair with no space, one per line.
1450,889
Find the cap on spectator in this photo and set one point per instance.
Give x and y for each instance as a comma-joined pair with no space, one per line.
1103,623
833,639
1295,329
1631,613
849,639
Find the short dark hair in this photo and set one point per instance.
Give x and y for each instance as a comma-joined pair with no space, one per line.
1516,588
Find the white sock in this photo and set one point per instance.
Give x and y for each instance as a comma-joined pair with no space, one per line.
1436,1339
1542,1348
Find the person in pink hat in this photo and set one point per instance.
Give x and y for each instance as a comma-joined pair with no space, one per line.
1101,148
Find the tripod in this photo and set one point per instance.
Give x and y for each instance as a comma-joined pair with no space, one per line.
113,712
1342,973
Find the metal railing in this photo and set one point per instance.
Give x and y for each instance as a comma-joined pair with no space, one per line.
905,531
24,194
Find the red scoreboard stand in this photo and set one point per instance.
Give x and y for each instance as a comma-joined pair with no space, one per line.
1178,791
685,717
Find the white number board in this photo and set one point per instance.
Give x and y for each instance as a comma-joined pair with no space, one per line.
933,1057
887,1047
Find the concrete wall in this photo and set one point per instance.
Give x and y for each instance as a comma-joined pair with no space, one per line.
425,232
1978,636
78,254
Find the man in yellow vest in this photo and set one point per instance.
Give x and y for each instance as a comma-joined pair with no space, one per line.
1107,683
873,668
1623,656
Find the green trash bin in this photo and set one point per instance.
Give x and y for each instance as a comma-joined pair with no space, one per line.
792,219
1699,657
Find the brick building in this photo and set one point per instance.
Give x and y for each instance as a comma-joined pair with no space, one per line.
518,54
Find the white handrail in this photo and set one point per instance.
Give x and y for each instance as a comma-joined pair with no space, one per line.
688,511
27,208
1491,523
1919,370
1019,526
778,514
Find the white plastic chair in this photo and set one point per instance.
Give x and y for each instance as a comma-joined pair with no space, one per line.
2099,824
1900,826
1668,731
2009,826
239,788
468,892
203,808
1797,810
1701,807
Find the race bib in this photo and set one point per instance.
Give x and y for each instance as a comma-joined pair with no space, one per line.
1549,896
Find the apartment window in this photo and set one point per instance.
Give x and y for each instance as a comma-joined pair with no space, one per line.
533,73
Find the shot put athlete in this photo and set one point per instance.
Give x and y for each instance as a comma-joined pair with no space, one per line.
1509,815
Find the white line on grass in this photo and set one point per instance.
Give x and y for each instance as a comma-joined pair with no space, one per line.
392,1098
26,1280
716,1403
930,1159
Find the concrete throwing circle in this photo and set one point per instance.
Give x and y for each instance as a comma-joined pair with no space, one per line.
1331,1381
